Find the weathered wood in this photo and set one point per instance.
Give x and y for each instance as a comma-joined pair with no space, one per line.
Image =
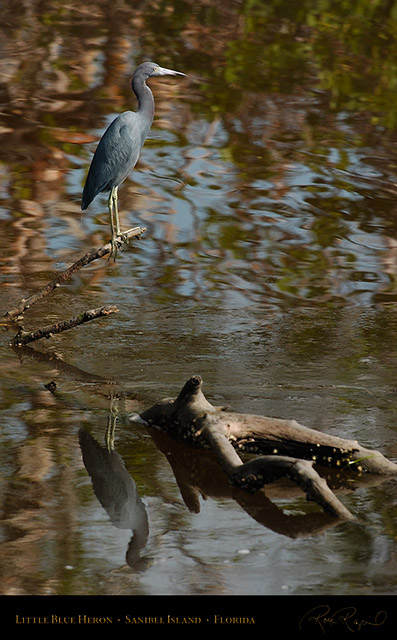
61,278
291,449
252,475
261,434
25,337
199,476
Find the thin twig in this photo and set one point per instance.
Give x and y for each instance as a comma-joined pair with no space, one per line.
26,303
24,337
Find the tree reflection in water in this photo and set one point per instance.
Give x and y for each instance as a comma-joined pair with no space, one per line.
268,266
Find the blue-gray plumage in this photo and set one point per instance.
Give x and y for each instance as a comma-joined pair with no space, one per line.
119,148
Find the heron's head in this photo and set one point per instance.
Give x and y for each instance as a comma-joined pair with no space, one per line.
151,69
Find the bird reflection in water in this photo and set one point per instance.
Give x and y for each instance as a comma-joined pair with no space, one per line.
116,492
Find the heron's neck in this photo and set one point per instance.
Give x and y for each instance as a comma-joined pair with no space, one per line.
145,98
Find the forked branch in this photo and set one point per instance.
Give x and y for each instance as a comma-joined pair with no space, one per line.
26,303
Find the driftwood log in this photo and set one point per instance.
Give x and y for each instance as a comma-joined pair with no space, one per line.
284,448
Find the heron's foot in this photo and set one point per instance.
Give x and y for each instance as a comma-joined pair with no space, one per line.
116,242
123,237
113,251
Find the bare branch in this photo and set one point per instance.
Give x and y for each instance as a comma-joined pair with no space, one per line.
252,475
26,303
24,337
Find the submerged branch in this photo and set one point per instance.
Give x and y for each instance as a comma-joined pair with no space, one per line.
24,337
26,303
253,475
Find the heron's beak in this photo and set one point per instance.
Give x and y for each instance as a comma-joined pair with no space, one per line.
161,71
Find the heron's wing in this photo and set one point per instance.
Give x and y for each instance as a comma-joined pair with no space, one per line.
120,147
115,156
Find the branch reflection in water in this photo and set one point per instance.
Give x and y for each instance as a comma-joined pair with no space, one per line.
197,473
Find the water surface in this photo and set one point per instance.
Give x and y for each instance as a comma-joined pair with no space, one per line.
268,266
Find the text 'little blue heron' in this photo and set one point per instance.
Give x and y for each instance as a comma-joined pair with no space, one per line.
118,150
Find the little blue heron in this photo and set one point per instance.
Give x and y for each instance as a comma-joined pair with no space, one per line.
118,150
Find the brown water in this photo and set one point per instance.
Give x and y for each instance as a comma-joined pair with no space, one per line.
267,188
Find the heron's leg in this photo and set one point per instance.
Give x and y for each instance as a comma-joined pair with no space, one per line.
116,210
119,233
111,428
113,252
